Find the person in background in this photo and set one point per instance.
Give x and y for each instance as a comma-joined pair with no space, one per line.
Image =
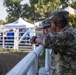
28,38
61,37
10,38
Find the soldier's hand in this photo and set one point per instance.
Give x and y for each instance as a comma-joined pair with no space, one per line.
32,40
37,40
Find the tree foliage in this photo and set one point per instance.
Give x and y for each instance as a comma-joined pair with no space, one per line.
37,8
44,7
74,4
15,10
2,22
73,20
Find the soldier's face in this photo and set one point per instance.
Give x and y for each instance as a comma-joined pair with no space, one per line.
48,29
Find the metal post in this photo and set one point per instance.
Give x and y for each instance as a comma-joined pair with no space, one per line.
47,69
33,69
47,61
16,36
42,71
3,40
34,46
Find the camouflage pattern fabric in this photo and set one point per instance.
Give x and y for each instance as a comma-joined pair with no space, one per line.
63,58
46,23
59,15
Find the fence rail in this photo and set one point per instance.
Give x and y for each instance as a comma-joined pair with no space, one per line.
24,65
28,65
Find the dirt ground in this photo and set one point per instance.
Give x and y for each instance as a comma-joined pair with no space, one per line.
8,61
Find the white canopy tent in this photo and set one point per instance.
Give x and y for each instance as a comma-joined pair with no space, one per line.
20,23
70,10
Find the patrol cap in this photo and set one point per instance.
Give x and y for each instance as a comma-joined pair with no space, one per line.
46,23
59,15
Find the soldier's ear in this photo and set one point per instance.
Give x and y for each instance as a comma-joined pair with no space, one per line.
53,24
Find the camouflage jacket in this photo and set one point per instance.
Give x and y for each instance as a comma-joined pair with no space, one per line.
63,44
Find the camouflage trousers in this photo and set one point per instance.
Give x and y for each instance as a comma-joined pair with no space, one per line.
67,73
73,72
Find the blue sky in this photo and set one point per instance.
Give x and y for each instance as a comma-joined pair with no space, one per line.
3,12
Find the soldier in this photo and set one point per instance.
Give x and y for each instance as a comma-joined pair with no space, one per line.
62,40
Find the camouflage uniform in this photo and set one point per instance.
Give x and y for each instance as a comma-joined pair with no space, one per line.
63,44
46,23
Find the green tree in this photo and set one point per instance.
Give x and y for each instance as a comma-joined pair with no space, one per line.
15,10
74,4
41,8
65,3
2,22
44,7
72,20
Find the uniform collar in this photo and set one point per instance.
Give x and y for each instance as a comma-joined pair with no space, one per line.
66,27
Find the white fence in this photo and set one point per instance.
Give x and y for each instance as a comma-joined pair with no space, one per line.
19,41
28,65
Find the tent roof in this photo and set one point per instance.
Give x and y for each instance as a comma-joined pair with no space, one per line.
70,10
20,23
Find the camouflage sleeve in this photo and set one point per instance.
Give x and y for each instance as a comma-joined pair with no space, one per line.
57,40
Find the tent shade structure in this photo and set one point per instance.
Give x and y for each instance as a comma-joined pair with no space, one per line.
20,23
70,10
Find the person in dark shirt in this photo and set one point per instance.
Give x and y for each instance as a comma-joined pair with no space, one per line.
10,38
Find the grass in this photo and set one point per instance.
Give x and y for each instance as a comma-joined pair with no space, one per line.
13,51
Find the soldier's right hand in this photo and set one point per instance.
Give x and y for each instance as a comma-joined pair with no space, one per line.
32,40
